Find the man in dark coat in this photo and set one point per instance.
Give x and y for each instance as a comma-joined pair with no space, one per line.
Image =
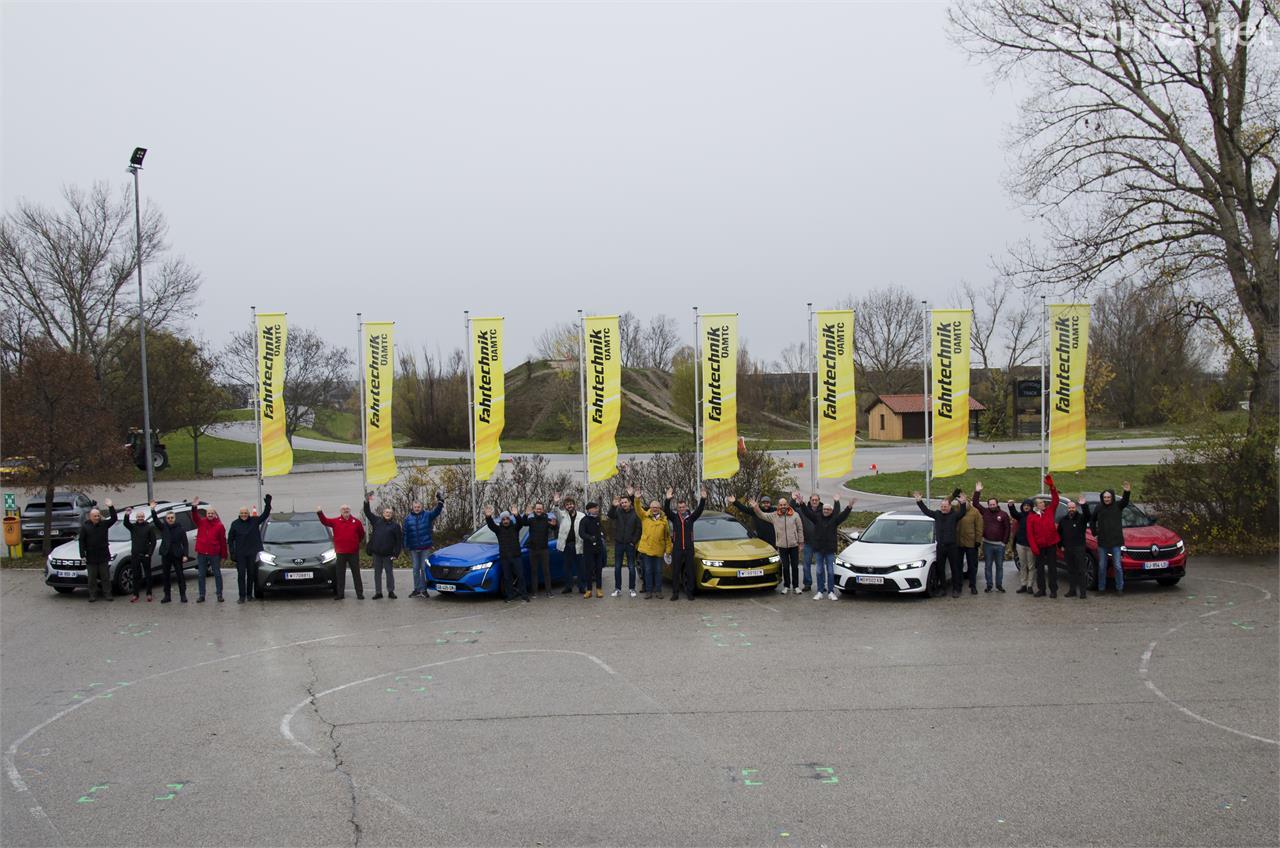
507,529
95,550
142,544
1108,529
244,542
682,560
945,519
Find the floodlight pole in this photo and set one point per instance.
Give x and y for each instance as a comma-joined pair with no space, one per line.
134,167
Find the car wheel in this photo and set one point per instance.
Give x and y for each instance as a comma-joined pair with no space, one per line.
64,590
123,581
934,587
159,460
1168,581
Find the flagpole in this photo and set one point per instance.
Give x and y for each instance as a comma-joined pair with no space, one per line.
1044,354
364,436
257,398
697,396
928,409
582,398
471,424
811,383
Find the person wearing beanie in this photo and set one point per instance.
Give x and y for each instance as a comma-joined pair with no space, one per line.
507,530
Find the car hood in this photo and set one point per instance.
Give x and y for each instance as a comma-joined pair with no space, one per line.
297,550
465,553
71,550
1145,537
734,549
872,554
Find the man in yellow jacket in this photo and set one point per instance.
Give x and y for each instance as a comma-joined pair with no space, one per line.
654,545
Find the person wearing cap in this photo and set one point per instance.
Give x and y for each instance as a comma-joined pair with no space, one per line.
507,531
763,527
593,556
788,538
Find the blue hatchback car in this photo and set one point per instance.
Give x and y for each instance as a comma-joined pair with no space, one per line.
471,566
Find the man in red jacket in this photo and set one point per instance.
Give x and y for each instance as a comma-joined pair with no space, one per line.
1042,536
348,531
211,547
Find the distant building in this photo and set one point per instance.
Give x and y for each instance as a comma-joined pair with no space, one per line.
893,418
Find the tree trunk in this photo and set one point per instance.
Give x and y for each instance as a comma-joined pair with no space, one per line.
46,544
195,453
1264,394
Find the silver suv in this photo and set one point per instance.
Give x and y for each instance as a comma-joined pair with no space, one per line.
65,571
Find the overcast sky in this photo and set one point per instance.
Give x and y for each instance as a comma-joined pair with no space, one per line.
524,159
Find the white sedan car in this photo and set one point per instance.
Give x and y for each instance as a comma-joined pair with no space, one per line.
896,553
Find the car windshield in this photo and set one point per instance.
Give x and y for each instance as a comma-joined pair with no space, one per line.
719,529
898,531
118,532
484,536
286,532
1134,517
38,506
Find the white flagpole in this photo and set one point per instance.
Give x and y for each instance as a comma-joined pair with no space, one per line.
1044,354
257,397
811,383
364,436
471,432
582,398
928,409
697,394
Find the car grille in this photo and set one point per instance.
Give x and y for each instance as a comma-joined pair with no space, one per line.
1163,552
762,562
758,580
66,564
867,569
444,572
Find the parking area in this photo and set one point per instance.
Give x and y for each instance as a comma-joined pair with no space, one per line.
756,719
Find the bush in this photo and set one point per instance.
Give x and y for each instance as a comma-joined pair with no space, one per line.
1219,489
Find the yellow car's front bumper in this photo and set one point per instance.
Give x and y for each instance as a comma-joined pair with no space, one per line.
747,574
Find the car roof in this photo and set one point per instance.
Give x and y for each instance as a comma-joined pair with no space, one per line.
161,507
912,515
294,516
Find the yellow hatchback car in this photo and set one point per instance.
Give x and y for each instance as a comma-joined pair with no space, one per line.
727,557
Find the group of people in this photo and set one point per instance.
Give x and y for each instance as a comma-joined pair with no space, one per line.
962,528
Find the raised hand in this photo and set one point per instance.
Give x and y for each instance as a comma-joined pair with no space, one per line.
154,504
1081,501
703,492
107,503
977,487
318,508
671,493
631,491
515,510
369,497
731,499
795,496
555,497
616,501
916,495
488,511
751,502
1126,487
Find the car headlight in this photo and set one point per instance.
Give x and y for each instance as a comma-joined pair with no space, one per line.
905,565
329,556
1181,545
481,567
714,563
264,557
775,558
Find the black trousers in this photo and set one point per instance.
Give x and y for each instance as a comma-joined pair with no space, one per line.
247,575
681,572
347,561
141,573
513,578
790,559
592,567
950,555
1077,580
170,562
1046,561
970,557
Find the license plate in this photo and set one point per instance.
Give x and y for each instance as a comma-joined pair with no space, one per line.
446,587
67,573
299,575
1151,566
876,581
751,572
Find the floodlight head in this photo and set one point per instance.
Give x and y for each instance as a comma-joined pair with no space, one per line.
139,153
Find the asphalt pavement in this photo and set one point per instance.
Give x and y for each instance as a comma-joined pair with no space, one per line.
996,719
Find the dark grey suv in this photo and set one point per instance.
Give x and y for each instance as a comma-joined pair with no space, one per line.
70,510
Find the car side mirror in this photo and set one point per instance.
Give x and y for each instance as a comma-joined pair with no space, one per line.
854,534
93,503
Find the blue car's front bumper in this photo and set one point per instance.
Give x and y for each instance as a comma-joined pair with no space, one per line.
462,579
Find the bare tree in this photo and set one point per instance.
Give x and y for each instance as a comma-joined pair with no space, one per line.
1147,146
558,342
431,399
66,272
661,338
1004,335
315,371
888,341
630,339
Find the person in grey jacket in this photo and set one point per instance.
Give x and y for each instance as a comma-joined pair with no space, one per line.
386,539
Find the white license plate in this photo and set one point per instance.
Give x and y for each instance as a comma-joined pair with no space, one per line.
446,587
67,573
875,581
1160,563
751,572
299,575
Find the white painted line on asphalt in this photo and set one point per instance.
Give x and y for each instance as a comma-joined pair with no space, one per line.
286,721
1144,665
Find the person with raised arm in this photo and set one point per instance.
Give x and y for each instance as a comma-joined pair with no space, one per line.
348,532
626,535
418,538
945,520
1042,536
142,544
682,558
507,531
95,550
174,552
569,541
825,541
1108,528
386,540
1071,530
244,542
211,548
655,543
542,526
996,530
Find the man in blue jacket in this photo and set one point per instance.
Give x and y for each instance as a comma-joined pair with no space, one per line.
418,542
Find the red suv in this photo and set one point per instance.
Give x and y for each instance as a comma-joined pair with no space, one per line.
1150,552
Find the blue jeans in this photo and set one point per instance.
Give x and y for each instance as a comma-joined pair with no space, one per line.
808,557
993,560
420,582
204,564
826,563
1105,554
629,553
652,572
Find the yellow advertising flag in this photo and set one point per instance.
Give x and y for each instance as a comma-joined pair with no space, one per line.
379,367
949,332
837,412
604,395
488,407
1068,357
277,454
719,395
